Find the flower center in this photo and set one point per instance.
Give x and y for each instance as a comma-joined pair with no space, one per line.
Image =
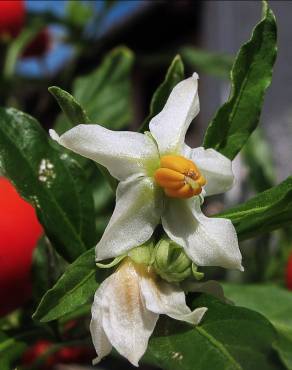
179,177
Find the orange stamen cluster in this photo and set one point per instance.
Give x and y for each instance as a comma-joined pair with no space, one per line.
179,177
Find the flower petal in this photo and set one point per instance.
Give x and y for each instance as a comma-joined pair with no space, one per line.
137,212
163,298
215,167
122,153
169,127
207,241
100,341
127,322
211,287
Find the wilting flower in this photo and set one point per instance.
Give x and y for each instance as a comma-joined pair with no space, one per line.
127,306
162,180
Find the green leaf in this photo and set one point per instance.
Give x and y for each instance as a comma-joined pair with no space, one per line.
53,182
10,350
75,288
284,348
75,113
250,77
273,302
72,109
265,212
228,337
257,155
17,46
103,196
103,97
13,346
79,13
174,75
47,267
215,64
105,93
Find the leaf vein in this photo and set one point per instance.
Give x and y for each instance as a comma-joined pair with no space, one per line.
219,346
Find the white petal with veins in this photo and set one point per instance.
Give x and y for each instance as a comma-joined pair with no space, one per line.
169,299
169,127
215,167
127,306
123,153
126,321
133,159
207,241
137,213
100,341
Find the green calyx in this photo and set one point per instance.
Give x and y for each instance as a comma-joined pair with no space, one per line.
142,254
172,264
167,258
111,264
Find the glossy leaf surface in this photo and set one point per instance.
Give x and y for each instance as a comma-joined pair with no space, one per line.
265,212
228,337
250,77
49,179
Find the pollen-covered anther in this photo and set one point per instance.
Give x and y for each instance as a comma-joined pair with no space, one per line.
179,177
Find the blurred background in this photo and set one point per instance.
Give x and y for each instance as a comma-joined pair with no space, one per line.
45,43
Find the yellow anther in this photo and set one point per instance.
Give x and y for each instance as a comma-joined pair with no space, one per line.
168,178
179,177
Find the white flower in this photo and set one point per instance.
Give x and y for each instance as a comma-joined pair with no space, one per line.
127,306
162,180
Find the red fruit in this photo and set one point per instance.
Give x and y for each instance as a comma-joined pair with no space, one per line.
37,350
66,355
12,17
39,45
289,273
19,233
12,21
78,355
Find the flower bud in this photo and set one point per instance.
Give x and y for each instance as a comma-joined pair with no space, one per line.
171,262
142,254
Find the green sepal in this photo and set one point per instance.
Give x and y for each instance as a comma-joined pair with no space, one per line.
170,261
113,263
143,253
197,274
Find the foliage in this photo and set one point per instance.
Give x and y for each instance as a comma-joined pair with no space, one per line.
265,212
251,75
228,338
104,93
53,182
73,203
75,288
174,75
273,302
211,63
